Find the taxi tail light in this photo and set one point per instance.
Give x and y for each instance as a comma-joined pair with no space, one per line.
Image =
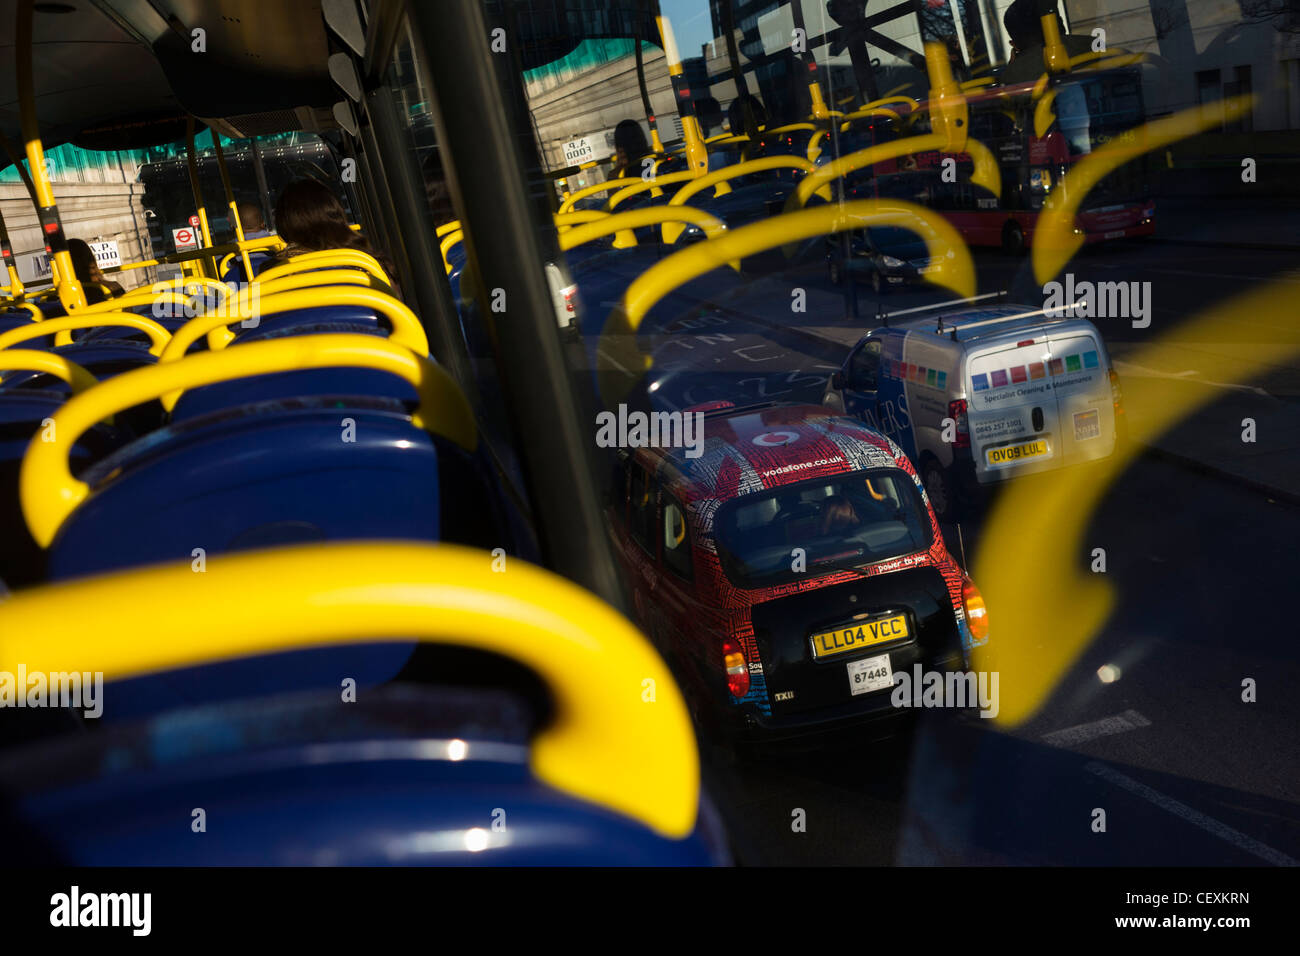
957,412
977,615
733,659
1116,393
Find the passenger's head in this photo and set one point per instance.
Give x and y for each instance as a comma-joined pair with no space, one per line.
83,261
629,141
1024,27
311,217
736,112
838,515
87,270
436,190
709,113
250,217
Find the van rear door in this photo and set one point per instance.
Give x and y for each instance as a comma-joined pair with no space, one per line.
1014,423
1079,371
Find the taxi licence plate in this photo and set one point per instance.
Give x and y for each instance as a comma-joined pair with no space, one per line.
1028,449
854,637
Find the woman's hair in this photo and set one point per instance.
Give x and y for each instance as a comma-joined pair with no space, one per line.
83,264
311,217
630,137
838,514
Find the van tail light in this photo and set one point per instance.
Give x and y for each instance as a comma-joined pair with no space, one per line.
977,615
957,412
733,659
1116,393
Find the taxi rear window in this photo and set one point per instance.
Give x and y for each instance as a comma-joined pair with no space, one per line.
819,526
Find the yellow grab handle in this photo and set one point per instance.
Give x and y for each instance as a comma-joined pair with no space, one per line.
642,185
62,328
592,190
576,217
407,330
447,227
31,360
49,492
338,258
605,744
1055,241
673,229
986,172
624,222
449,240
957,273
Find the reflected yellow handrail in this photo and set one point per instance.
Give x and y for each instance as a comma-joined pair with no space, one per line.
63,326
652,185
956,273
718,178
594,189
407,330
605,744
576,217
986,172
1055,241
50,493
624,222
874,111
447,227
326,258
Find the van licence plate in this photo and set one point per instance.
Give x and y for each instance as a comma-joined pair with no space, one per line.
1009,453
854,637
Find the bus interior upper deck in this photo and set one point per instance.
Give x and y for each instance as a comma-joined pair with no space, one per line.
285,498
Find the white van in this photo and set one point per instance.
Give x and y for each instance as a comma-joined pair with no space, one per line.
981,395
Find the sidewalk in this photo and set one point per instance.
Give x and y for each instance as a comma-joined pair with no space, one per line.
1271,224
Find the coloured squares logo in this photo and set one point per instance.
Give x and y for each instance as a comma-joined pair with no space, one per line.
1073,363
981,382
1037,370
999,378
1018,374
1089,359
931,378
1056,367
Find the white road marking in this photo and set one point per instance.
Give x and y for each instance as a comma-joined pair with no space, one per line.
1080,733
1195,817
609,358
1128,368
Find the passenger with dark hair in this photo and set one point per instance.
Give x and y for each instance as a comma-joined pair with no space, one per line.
1025,28
88,274
310,218
736,113
709,113
630,146
251,220
436,190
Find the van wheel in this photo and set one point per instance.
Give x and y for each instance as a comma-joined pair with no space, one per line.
939,489
1013,239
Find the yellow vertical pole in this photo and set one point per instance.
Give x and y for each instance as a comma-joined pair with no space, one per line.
56,243
1055,56
697,154
234,208
198,198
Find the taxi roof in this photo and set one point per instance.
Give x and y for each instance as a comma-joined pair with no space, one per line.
752,449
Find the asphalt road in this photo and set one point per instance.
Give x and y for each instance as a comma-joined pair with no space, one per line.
1185,771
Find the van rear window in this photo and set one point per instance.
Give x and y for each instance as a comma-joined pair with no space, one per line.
845,521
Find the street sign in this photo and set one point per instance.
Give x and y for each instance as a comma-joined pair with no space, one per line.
579,151
185,239
106,254
33,267
194,221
